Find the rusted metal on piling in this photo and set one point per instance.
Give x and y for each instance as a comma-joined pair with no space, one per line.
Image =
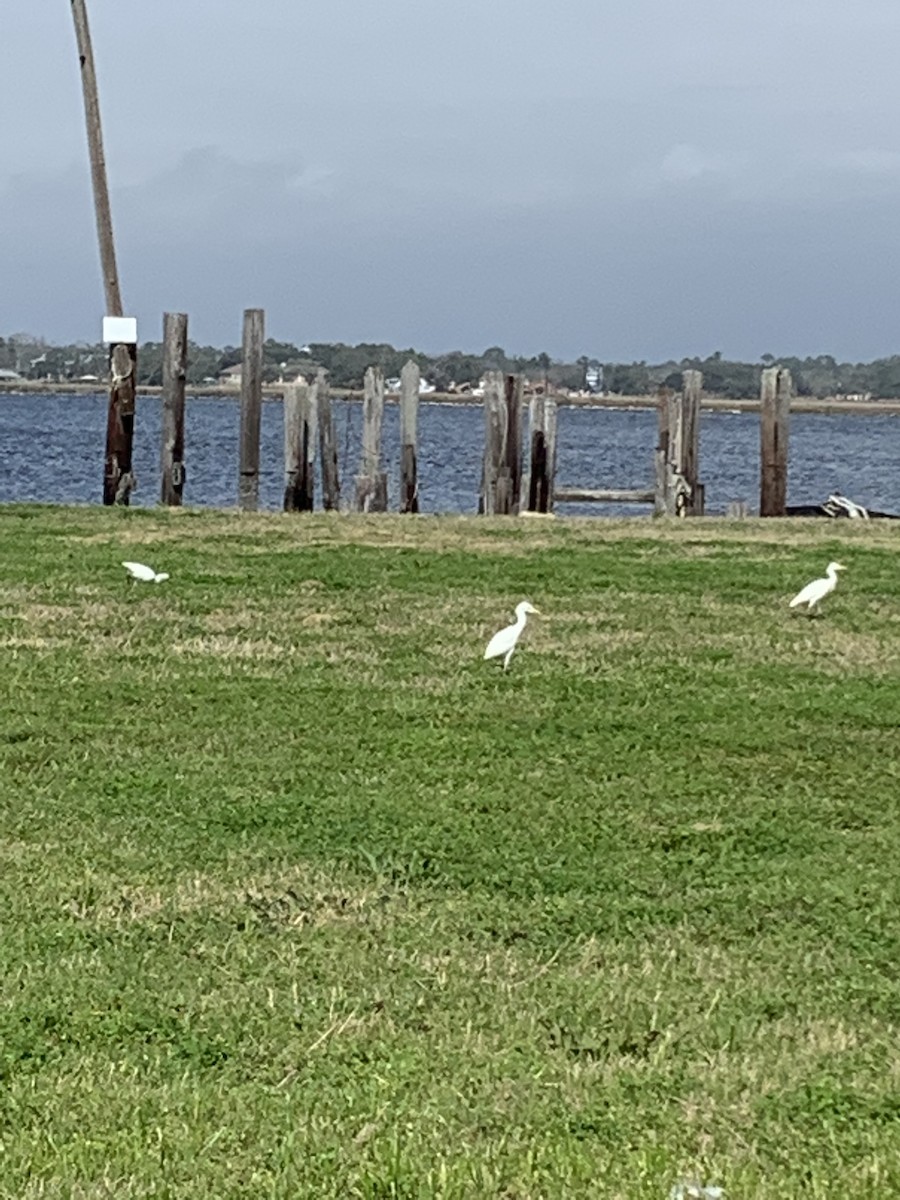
371,482
175,341
774,427
299,446
251,408
410,380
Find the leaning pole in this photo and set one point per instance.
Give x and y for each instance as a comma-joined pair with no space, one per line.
118,479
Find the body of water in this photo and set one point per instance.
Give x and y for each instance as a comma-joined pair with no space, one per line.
52,447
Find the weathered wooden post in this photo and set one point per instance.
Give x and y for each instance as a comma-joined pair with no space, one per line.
118,479
251,408
678,491
410,380
371,482
775,407
541,479
299,446
494,444
331,484
664,498
688,443
175,326
511,476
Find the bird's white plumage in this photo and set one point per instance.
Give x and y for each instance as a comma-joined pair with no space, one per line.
819,588
143,572
504,642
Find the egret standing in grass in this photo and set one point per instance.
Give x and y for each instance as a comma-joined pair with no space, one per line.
505,641
819,588
143,572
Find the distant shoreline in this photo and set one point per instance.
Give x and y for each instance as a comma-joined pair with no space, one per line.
276,390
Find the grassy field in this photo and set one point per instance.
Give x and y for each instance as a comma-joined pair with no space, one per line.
300,898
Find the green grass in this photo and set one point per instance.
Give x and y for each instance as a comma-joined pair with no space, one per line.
300,898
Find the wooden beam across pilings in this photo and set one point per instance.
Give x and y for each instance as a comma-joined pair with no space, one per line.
604,496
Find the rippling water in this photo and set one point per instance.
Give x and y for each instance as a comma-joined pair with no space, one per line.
51,448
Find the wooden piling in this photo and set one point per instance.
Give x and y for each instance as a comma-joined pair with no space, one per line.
118,476
410,380
664,498
175,341
251,408
688,462
371,482
331,484
538,488
679,492
513,388
494,441
775,407
299,446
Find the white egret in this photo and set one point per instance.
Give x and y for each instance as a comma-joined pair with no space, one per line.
819,588
143,572
504,642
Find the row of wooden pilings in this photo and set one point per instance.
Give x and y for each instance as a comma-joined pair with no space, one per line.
512,482
309,434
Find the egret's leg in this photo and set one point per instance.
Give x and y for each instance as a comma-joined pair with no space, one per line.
507,658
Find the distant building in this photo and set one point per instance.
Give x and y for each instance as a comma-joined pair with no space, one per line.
8,376
231,375
593,378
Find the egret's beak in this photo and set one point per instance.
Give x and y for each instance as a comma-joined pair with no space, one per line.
839,567
537,612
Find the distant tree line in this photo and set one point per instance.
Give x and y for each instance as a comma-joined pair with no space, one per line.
34,358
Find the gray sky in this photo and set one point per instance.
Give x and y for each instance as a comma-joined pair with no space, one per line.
638,179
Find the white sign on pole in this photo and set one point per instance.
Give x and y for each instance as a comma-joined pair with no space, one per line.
120,329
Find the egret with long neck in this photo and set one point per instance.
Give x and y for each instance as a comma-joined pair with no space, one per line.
816,591
504,642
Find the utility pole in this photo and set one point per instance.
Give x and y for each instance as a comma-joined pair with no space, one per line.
118,479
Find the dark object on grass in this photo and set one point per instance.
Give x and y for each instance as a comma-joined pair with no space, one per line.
838,506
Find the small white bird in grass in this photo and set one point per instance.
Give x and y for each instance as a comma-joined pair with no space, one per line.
144,573
504,642
819,588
